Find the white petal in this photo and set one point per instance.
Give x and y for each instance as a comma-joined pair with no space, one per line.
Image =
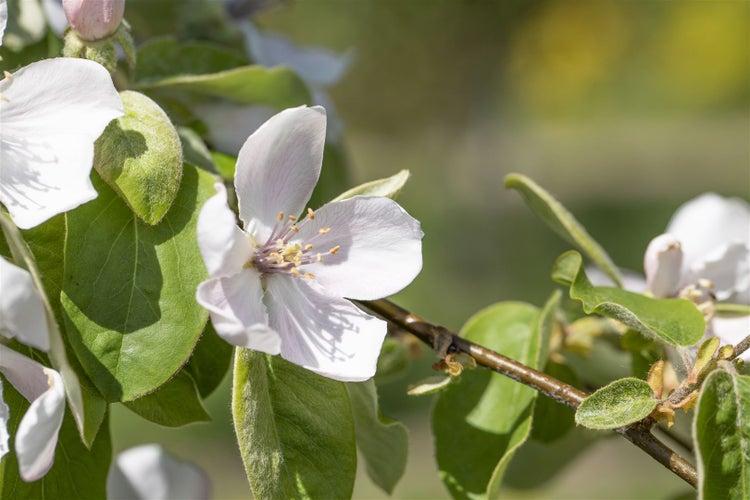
237,311
22,313
710,221
36,436
663,265
728,268
278,168
224,246
55,14
3,18
4,418
318,67
380,247
229,124
56,109
147,472
732,331
325,334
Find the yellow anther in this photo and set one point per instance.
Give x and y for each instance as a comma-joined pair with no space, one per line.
295,272
292,218
3,98
7,74
308,247
280,217
309,275
310,213
335,249
319,258
324,230
294,228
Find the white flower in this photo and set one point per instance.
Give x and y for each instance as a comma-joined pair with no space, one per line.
279,285
706,250
22,316
51,113
3,18
147,472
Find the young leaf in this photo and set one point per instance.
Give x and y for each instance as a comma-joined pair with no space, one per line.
165,57
129,290
77,472
174,404
563,223
676,321
480,421
295,429
140,156
389,187
382,442
618,404
210,361
194,150
721,433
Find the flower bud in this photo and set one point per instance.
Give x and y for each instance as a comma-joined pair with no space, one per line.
663,265
94,19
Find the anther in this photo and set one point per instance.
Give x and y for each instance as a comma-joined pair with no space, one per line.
294,228
319,258
335,249
292,218
308,247
324,230
310,213
7,74
280,217
309,275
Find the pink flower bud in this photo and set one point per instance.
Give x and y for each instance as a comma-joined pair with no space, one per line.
663,265
94,19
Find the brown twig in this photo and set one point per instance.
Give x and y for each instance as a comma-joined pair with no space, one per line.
443,342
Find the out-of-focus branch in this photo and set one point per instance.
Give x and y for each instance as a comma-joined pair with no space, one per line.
444,342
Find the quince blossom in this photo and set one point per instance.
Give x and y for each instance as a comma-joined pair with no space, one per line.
22,316
278,286
51,112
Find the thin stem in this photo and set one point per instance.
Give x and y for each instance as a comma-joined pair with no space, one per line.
443,342
743,346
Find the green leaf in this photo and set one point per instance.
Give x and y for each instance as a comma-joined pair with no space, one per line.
721,433
165,57
173,404
479,422
382,442
724,309
277,87
563,223
393,360
676,321
194,150
77,471
129,289
47,242
553,420
334,176
389,187
210,361
295,429
140,156
618,404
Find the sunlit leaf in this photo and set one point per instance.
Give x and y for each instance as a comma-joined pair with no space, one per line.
618,404
295,429
382,442
563,223
389,187
676,321
129,290
721,433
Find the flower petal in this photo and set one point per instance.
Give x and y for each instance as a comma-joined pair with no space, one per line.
147,471
707,222
56,109
4,418
224,246
22,313
36,436
278,168
663,265
728,268
380,247
3,18
318,67
325,334
237,311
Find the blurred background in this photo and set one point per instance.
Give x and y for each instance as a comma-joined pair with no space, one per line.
622,109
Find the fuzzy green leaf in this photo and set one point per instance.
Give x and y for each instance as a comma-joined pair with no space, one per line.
481,421
194,150
389,187
140,156
618,404
382,442
129,289
173,404
676,321
210,361
563,223
295,429
721,433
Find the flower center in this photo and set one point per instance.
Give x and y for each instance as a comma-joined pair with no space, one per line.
284,254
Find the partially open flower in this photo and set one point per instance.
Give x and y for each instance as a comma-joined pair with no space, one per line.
278,286
94,19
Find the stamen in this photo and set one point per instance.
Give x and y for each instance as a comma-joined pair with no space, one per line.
335,249
7,74
309,276
280,217
308,247
310,213
3,98
292,218
324,230
294,228
319,258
